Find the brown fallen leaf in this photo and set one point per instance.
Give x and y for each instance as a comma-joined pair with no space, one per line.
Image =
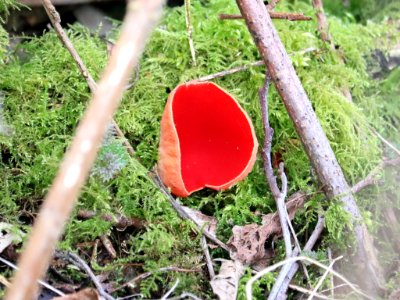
85,294
248,242
225,284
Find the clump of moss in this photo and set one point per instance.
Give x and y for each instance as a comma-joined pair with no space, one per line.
45,95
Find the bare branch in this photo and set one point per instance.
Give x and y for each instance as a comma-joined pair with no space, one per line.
372,177
322,22
165,297
119,221
279,195
141,17
274,15
323,29
56,22
306,123
182,213
271,4
386,142
230,71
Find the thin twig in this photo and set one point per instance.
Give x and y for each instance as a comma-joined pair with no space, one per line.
289,270
271,4
323,29
308,292
332,278
56,22
321,280
181,212
260,274
189,30
305,121
120,221
231,71
141,17
322,22
274,15
185,295
207,256
133,282
247,66
165,297
81,264
385,141
279,195
371,178
41,282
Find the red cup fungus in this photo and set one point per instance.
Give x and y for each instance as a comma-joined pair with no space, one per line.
206,140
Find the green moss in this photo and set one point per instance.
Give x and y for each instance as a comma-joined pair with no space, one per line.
45,96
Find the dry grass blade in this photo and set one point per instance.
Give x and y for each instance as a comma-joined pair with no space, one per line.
141,17
249,285
321,280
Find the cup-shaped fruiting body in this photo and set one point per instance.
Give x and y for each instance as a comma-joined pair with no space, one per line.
206,140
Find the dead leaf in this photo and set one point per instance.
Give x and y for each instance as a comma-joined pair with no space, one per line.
86,294
225,284
248,241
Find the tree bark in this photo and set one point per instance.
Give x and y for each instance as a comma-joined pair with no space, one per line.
308,128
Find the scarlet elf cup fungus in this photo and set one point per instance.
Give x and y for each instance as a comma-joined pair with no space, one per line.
206,140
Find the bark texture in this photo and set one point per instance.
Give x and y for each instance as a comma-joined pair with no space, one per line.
141,17
308,127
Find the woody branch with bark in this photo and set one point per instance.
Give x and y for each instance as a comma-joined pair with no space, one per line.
314,140
141,17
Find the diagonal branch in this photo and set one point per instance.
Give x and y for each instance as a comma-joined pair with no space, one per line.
313,138
141,17
56,22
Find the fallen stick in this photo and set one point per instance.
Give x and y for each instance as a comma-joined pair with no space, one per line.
141,17
313,138
274,15
56,22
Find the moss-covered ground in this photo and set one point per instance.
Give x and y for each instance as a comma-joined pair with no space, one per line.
43,96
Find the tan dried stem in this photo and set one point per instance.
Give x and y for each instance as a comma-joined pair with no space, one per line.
141,17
